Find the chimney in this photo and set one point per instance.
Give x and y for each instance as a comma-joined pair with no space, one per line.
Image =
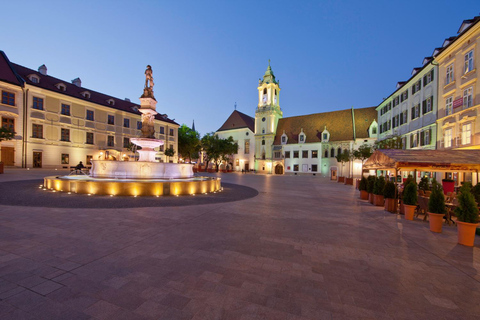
126,99
42,69
77,82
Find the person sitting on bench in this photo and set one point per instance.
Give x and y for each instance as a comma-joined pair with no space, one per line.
79,167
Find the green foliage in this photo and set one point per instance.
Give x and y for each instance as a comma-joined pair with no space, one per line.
379,186
410,194
393,142
424,184
370,183
217,149
343,157
170,152
408,180
6,134
476,192
362,185
363,152
436,203
389,191
188,142
467,210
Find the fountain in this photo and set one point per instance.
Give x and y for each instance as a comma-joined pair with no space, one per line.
145,177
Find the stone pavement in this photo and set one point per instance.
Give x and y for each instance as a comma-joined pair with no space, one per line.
303,248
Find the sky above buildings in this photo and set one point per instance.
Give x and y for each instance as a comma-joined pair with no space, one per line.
208,55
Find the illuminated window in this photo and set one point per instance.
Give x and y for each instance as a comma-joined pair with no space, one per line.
37,131
247,146
90,115
314,153
449,74
295,167
8,98
65,109
447,140
467,98
111,141
37,103
468,62
65,135
449,106
111,119
467,133
65,158
89,138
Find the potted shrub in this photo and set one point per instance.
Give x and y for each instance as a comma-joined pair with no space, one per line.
390,197
378,188
370,184
424,184
410,200
467,217
476,193
362,186
448,185
436,207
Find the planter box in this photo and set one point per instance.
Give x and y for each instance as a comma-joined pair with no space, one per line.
363,195
391,205
448,186
409,211
1,167
349,181
341,179
378,200
466,233
370,198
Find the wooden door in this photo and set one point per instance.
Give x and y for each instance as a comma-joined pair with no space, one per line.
333,175
37,159
8,156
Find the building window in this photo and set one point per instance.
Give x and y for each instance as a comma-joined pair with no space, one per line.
427,105
287,154
65,135
90,115
295,167
416,111
339,151
305,154
416,87
65,109
467,98
414,140
449,74
8,123
111,141
139,125
332,152
89,159
447,142
314,168
89,138
37,103
302,138
277,154
404,96
468,62
9,98
428,78
283,139
426,137
295,154
126,142
314,153
65,158
37,131
325,137
162,130
448,106
467,133
34,79
161,148
325,154
263,142
111,119
126,123
247,147
171,132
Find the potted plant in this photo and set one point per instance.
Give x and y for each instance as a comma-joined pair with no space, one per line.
436,207
448,185
378,188
476,193
467,217
390,197
410,200
370,184
424,184
362,186
341,179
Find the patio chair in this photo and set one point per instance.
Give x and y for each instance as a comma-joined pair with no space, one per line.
422,207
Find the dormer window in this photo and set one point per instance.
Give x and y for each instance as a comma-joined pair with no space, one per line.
111,102
301,136
34,78
85,94
325,135
61,86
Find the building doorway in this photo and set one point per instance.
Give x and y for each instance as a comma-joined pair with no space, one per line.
8,156
246,166
278,169
37,159
333,174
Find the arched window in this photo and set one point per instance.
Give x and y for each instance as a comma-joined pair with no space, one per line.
263,142
332,152
265,91
326,154
339,151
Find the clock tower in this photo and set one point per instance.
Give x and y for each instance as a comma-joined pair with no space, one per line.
267,114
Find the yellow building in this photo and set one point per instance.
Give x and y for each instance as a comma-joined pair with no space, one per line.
58,123
458,120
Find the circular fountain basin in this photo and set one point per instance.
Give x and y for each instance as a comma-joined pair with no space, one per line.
140,170
132,187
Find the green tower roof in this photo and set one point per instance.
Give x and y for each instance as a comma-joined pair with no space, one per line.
268,77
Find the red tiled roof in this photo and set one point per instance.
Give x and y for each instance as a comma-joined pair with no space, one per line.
238,120
48,82
7,72
338,123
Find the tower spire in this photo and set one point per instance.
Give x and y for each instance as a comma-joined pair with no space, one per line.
193,125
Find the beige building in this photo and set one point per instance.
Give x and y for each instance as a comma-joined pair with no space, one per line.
58,123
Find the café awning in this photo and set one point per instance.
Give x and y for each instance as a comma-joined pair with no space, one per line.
424,160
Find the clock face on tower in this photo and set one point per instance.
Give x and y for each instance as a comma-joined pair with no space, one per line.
264,99
275,100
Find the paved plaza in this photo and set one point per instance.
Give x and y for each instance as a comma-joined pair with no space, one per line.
299,247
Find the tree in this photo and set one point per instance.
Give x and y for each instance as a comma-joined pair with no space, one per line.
343,157
169,153
363,153
217,149
392,142
188,143
6,134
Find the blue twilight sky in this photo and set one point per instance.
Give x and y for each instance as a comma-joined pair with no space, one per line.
207,55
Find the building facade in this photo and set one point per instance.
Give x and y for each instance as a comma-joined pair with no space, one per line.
58,123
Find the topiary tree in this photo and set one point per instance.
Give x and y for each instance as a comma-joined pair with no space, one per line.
362,185
476,193
370,183
389,191
408,180
467,210
410,194
379,186
424,184
436,203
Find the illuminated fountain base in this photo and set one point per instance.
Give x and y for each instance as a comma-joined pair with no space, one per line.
140,170
132,187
